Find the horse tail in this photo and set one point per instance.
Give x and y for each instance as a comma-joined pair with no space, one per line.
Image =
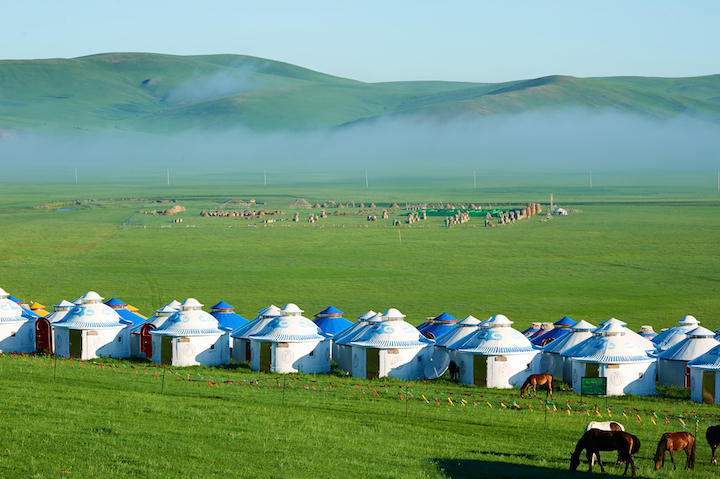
635,444
691,462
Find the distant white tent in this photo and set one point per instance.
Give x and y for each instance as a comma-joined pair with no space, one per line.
612,354
672,363
496,355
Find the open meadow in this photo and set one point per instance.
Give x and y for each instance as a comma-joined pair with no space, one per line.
643,249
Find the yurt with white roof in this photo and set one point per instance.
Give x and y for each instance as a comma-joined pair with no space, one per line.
552,360
644,342
464,328
705,377
140,337
241,350
672,363
497,355
17,328
613,354
190,337
342,351
670,337
92,329
391,348
290,343
44,330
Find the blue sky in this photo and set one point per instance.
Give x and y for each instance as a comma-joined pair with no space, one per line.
387,40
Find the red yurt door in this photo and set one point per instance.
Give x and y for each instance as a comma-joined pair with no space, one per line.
248,351
42,335
146,340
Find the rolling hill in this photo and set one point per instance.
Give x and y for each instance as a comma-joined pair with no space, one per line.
165,94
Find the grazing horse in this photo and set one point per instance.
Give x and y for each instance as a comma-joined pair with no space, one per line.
536,380
713,438
454,370
676,441
603,426
595,441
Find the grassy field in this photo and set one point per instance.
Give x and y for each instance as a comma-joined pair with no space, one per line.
67,419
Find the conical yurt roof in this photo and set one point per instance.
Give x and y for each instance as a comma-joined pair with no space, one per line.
358,327
392,332
559,330
38,309
685,323
697,342
534,328
226,316
331,322
464,328
289,327
59,311
647,344
647,331
609,344
578,333
441,324
496,338
10,311
91,314
158,319
710,360
190,321
256,324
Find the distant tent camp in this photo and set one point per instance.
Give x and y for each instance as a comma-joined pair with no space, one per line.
300,204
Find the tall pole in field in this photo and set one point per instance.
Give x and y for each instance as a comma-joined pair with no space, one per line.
162,389
718,180
76,175
366,180
168,176
474,181
591,179
264,177
283,401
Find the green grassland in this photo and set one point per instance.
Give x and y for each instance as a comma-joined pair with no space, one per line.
67,419
145,93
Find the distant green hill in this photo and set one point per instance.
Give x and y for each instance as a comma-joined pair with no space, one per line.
164,94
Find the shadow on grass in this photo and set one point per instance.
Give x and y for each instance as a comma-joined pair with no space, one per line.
473,468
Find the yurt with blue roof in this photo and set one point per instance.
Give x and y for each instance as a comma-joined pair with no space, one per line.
673,362
331,322
391,348
290,343
122,309
191,337
462,330
342,351
560,329
705,377
241,348
92,329
440,325
668,338
613,354
228,318
44,330
534,328
140,337
17,328
496,355
553,361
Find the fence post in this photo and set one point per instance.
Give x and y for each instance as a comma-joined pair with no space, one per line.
162,389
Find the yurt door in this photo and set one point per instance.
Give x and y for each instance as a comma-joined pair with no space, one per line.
42,335
592,370
480,370
166,350
248,351
146,340
372,363
75,343
265,356
687,376
708,387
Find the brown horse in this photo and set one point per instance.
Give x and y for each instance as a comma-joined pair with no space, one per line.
536,380
595,441
713,438
676,441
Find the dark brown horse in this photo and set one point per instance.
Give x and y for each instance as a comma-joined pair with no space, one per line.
595,441
536,380
676,441
713,438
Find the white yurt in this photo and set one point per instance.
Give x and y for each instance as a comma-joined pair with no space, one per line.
17,328
342,351
670,337
44,330
612,354
391,348
644,342
465,327
497,356
190,337
553,361
140,338
241,351
92,329
290,343
705,377
672,363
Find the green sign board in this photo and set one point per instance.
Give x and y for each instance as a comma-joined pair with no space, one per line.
593,386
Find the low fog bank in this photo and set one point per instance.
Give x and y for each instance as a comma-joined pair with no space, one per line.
562,142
